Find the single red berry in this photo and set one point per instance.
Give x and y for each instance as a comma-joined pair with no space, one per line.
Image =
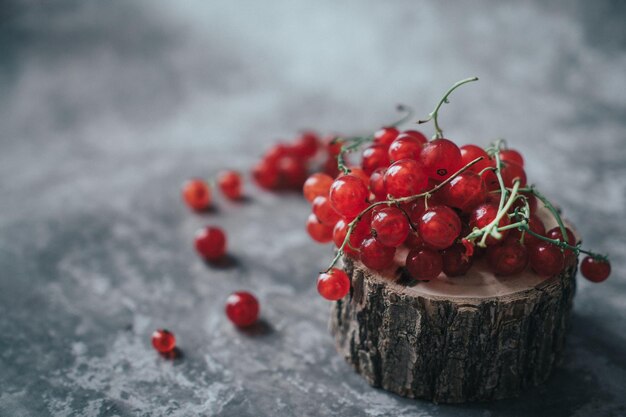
197,194
439,226
391,226
375,255
510,172
319,232
595,270
210,243
230,184
306,145
414,209
405,178
348,195
519,203
405,147
317,185
374,157
417,136
242,309
470,153
413,240
441,158
546,259
484,214
292,172
570,256
534,224
424,264
386,135
324,211
359,234
163,340
491,180
509,258
511,155
455,260
359,173
266,175
377,184
333,285
465,191
278,152
330,167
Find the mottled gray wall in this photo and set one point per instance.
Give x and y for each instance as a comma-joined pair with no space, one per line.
105,107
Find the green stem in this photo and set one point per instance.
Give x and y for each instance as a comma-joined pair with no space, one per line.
552,209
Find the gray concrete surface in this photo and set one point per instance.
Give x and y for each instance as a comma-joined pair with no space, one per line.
106,107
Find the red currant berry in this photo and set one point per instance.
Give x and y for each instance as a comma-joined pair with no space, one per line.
455,260
484,214
441,158
424,264
391,226
293,172
509,258
163,340
595,270
413,240
405,147
439,227
375,255
317,185
491,180
374,157
230,184
319,232
417,136
358,235
470,153
386,135
324,211
510,172
414,209
278,152
465,191
377,184
348,195
546,259
242,309
405,178
306,145
359,173
265,173
570,256
333,285
210,243
197,194
510,155
534,224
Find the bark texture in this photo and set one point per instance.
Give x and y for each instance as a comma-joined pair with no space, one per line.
451,350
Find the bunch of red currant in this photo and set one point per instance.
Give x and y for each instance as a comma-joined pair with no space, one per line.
447,205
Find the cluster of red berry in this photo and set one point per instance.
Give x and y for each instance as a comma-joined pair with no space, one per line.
448,205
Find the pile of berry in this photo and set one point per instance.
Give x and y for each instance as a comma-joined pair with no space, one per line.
448,205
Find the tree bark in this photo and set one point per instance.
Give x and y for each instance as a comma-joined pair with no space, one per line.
419,341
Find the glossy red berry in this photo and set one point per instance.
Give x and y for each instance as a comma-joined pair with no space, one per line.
507,259
386,135
536,225
210,243
391,226
405,178
511,155
484,214
278,152
510,172
292,172
359,173
470,153
595,270
417,136
405,147
455,260
306,145
242,309
197,194
377,184
374,157
319,232
230,184
324,211
441,158
163,340
358,235
546,259
439,227
266,175
375,255
465,191
424,264
317,185
333,285
570,256
348,195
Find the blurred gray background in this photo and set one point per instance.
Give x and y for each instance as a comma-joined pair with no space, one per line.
106,107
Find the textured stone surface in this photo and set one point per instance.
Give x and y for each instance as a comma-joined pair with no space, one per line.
106,107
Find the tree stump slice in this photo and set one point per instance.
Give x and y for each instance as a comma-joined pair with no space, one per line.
452,340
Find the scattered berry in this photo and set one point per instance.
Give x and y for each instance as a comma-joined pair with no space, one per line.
197,194
333,285
210,243
230,184
242,308
163,340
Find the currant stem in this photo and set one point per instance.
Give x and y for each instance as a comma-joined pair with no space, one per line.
435,113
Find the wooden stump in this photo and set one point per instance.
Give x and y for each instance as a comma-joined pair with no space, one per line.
452,340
